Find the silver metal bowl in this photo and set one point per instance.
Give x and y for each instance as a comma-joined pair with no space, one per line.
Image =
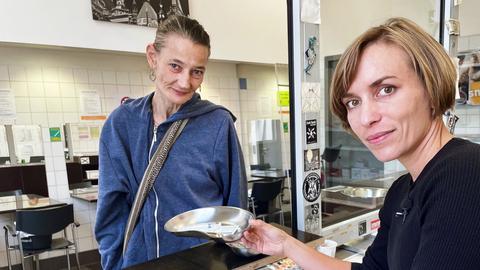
220,223
364,192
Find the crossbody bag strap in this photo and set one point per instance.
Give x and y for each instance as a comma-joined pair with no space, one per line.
151,173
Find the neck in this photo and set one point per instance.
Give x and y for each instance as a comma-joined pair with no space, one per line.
162,109
437,136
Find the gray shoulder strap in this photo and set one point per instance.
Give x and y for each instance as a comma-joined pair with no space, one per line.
151,173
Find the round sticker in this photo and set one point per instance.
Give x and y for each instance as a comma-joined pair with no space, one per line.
311,187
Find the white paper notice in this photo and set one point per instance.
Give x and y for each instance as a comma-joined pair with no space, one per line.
8,112
90,103
310,11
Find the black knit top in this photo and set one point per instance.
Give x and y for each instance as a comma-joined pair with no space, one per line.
434,222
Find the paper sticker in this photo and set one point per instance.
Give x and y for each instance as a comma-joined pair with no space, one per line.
311,187
311,159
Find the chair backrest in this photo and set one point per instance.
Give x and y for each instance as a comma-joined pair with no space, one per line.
15,192
265,191
330,154
44,221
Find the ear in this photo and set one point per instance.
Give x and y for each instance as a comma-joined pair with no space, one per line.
151,56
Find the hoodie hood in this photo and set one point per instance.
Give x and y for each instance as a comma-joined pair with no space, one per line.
194,107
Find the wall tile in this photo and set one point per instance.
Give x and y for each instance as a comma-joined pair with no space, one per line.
122,77
57,149
17,73
59,163
54,104
40,119
135,78
109,77
5,85
22,104
69,105
52,89
37,104
51,179
80,75
95,76
4,73
65,75
136,91
34,74
50,74
23,119
47,150
146,79
55,119
67,89
110,90
35,89
19,89
71,117
123,91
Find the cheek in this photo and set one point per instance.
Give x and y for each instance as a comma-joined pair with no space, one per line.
353,122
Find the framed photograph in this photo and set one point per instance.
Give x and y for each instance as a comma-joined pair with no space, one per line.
139,12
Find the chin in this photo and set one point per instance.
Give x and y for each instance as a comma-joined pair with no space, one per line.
384,156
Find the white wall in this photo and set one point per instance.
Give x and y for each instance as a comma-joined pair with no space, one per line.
247,30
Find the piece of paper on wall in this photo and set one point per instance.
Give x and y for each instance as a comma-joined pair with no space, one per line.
310,11
3,142
90,105
8,112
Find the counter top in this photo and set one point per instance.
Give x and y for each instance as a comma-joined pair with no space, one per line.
89,194
214,256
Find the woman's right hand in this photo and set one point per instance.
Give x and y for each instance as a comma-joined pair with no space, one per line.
265,238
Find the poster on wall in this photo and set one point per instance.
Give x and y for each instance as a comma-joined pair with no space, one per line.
138,12
8,112
90,105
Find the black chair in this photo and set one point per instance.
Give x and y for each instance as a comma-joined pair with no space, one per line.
262,200
34,229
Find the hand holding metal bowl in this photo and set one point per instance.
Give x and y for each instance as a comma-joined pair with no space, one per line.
224,224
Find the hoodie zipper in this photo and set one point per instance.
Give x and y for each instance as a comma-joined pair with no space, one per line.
154,140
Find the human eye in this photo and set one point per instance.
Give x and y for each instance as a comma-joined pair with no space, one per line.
352,103
197,73
385,91
175,67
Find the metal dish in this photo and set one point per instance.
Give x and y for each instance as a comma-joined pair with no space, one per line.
364,192
220,223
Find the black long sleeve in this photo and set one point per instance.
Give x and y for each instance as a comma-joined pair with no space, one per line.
442,227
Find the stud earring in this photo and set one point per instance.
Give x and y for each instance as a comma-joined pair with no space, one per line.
152,75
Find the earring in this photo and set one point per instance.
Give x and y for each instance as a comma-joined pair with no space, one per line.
152,75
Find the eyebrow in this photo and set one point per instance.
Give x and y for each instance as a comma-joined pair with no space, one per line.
380,80
372,85
182,63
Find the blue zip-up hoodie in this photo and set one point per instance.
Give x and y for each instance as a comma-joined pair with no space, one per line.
204,168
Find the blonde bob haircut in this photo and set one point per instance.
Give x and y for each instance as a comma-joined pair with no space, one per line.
428,58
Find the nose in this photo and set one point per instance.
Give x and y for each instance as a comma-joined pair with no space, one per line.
369,113
184,80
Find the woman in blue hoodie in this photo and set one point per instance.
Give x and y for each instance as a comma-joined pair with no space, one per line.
204,167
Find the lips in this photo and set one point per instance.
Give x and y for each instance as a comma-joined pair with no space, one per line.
379,136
